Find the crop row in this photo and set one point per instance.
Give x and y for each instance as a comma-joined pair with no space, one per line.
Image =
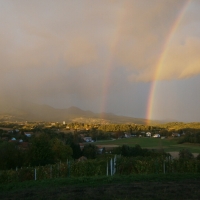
121,165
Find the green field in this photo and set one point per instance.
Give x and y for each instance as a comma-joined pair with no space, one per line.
169,145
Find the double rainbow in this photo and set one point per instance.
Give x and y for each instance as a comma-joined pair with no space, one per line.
159,65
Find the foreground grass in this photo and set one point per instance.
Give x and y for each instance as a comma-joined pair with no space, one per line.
97,181
152,186
168,145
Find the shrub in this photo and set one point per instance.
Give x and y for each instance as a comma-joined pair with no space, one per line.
185,154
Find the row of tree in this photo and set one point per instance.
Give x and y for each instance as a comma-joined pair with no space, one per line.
190,138
42,150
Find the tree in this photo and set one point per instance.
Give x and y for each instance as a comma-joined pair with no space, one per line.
61,151
125,150
41,152
90,151
77,153
69,138
185,154
198,157
10,156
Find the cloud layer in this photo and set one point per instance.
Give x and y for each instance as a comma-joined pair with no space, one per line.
74,49
40,34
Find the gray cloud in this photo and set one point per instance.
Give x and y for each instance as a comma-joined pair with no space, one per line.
37,34
61,51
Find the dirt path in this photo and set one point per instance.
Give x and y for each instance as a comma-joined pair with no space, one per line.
175,154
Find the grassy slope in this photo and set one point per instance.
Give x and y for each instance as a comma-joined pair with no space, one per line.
96,181
156,186
155,143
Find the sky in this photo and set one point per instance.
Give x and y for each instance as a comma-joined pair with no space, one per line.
137,58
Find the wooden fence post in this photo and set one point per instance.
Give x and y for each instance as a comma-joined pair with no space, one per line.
107,169
58,170
111,167
115,164
164,167
51,171
35,174
68,168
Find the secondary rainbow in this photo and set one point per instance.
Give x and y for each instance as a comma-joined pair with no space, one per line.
151,99
110,62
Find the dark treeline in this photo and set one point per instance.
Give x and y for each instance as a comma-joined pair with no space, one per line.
137,151
190,138
43,149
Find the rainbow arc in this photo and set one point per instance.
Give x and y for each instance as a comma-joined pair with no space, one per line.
159,65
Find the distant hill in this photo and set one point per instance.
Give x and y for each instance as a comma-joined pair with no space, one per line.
36,112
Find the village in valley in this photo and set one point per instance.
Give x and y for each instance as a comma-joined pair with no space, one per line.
102,135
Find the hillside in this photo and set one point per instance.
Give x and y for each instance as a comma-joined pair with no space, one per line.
35,112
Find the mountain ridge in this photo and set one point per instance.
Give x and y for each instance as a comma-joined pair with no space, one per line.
38,112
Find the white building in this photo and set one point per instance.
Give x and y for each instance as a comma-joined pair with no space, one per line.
148,134
88,139
156,136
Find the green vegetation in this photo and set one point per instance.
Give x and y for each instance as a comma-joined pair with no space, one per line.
145,186
150,165
42,150
134,160
50,156
180,126
169,145
190,138
99,180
